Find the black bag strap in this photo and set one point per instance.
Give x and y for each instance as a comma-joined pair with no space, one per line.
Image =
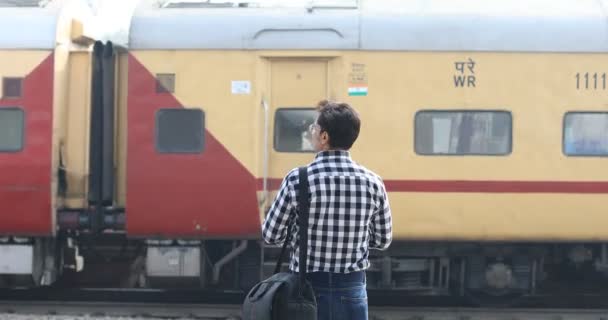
304,202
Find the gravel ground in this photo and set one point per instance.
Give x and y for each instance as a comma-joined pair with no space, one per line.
114,311
384,314
11,316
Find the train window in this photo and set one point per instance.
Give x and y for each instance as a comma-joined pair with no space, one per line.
12,124
585,134
165,83
12,87
180,130
291,132
463,132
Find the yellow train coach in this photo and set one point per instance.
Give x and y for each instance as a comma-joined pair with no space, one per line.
487,121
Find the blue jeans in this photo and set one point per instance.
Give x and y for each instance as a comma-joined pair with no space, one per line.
340,296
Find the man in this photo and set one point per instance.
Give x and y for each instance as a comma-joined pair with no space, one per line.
349,214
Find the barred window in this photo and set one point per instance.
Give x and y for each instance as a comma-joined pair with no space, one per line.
291,132
463,132
180,130
12,125
585,134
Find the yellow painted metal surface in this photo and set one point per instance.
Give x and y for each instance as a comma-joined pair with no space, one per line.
121,128
293,84
76,118
502,217
536,88
28,60
61,90
71,105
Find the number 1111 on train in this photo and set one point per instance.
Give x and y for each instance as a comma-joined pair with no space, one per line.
588,81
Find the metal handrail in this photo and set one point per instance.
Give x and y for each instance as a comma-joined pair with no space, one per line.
265,155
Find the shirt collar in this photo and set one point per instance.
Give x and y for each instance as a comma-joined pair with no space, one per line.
333,154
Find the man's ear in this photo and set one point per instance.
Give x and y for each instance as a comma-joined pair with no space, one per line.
325,136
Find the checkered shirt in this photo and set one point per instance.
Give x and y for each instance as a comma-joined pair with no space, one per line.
349,214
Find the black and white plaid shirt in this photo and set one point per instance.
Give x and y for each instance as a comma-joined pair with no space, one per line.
349,214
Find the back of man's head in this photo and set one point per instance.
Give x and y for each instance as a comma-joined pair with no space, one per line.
340,121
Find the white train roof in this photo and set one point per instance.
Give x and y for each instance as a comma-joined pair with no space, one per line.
415,25
46,24
27,24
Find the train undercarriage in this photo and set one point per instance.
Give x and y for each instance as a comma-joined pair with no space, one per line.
481,272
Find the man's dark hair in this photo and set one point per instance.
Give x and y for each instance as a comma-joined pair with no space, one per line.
340,121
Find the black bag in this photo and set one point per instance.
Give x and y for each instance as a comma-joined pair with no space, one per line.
286,295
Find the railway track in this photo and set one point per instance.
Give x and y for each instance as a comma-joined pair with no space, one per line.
121,310
205,304
91,310
376,298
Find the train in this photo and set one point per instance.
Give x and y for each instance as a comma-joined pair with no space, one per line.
148,155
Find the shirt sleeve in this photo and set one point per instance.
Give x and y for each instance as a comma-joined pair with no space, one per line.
380,229
274,228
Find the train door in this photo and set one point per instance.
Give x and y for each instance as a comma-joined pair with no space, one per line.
296,87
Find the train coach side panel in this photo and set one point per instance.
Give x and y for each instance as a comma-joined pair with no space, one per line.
207,188
25,164
531,192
